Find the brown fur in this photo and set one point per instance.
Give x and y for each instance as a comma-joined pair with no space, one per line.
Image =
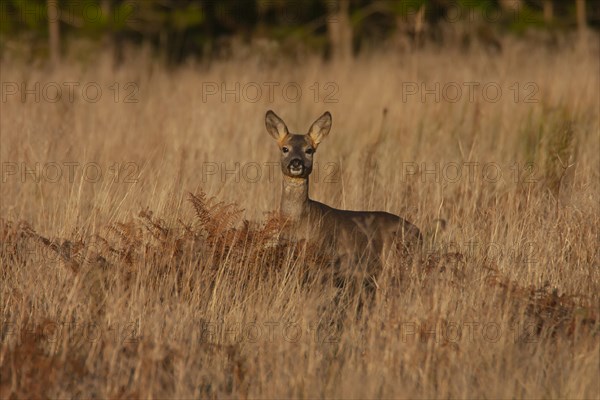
343,231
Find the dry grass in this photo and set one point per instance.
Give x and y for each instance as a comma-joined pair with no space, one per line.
148,287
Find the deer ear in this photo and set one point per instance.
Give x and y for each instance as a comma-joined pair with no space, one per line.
275,126
320,128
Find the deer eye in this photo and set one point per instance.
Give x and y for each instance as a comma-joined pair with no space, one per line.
285,149
309,151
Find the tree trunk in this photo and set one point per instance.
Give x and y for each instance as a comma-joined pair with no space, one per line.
582,23
340,30
581,15
53,30
548,11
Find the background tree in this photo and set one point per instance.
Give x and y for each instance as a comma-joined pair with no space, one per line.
179,29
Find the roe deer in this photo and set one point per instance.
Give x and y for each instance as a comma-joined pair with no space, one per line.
373,232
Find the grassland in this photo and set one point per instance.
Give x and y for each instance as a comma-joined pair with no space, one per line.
121,278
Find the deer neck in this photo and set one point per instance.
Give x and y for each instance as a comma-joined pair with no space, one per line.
294,197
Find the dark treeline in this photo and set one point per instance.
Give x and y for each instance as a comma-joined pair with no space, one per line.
179,29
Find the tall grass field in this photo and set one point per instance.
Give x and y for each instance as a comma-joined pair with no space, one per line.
141,256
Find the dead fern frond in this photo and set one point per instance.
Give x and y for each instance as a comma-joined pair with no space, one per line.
199,202
156,227
215,217
550,313
131,238
64,250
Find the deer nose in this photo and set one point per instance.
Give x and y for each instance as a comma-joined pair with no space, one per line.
296,163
